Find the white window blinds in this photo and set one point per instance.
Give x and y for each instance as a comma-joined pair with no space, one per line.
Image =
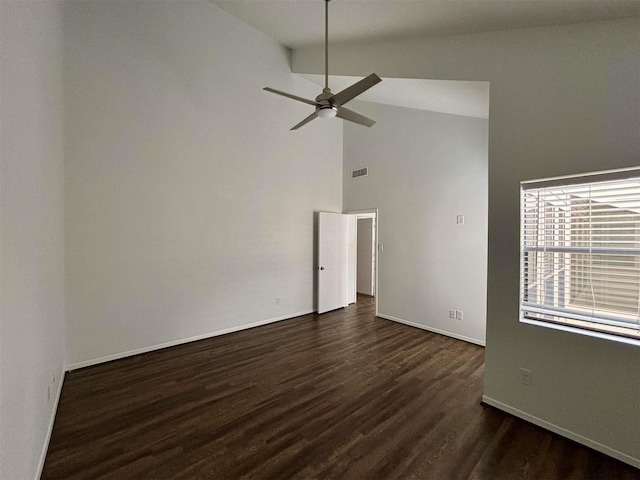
580,253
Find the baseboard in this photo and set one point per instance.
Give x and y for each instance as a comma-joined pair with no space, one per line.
173,343
434,330
623,457
45,446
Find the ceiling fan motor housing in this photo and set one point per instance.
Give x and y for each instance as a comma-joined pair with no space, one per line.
326,97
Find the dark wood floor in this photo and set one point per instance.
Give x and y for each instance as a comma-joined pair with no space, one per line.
342,396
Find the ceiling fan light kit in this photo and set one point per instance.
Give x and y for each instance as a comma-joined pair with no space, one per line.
327,112
327,104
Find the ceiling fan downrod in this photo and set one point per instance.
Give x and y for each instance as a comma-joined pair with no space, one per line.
326,43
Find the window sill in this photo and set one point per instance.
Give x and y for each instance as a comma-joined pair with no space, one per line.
581,331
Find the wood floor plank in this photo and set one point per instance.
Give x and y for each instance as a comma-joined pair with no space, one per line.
344,395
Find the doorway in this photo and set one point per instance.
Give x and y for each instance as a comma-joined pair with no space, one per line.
365,257
347,258
364,261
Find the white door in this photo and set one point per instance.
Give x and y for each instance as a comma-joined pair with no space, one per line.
332,261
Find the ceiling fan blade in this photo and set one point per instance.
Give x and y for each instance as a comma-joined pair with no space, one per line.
294,97
352,116
306,120
356,89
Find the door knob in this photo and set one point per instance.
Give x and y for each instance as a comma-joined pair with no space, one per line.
321,268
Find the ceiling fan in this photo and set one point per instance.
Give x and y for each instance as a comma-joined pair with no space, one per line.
327,104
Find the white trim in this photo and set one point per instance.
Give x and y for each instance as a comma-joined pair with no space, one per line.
138,351
581,331
434,330
372,213
615,173
54,411
363,215
623,457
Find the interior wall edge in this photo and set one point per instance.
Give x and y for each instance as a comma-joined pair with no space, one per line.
432,330
181,341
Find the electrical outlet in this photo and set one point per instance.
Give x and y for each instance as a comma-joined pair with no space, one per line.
525,377
277,300
460,220
452,314
459,315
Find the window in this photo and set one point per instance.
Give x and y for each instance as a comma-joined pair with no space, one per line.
580,254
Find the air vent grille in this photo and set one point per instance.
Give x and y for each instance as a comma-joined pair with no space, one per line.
360,172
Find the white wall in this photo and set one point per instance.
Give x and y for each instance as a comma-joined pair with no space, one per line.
563,100
189,202
425,168
31,232
365,256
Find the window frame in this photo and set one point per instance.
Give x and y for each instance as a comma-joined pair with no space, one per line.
595,322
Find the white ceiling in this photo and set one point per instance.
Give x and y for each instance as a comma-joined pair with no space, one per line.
297,23
470,99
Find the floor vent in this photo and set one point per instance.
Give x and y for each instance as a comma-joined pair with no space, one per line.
360,172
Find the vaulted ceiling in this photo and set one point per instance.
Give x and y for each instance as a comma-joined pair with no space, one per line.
298,23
